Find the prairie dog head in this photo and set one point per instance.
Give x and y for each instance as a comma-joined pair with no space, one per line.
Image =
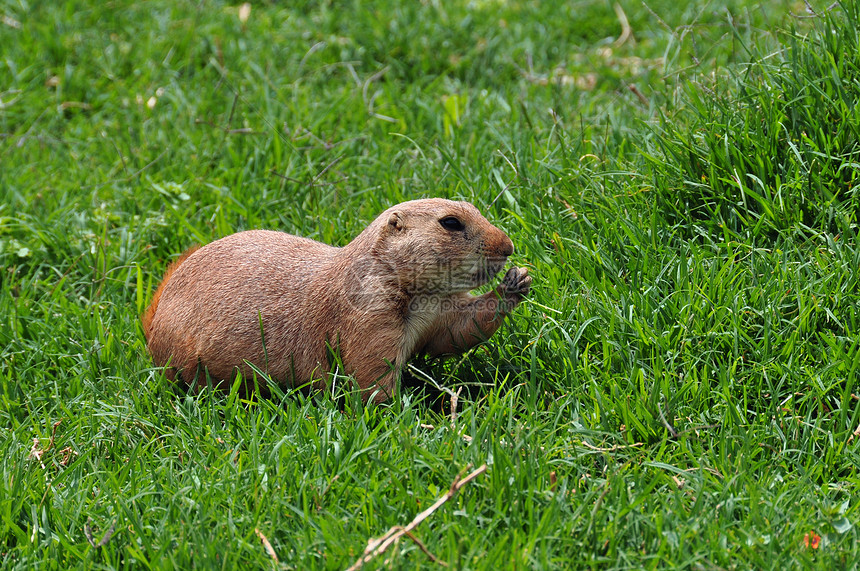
440,246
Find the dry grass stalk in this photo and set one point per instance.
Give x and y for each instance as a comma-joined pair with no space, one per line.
380,544
267,546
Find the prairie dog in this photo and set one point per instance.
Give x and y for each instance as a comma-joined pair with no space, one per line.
283,302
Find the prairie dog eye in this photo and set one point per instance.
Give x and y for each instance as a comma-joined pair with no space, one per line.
452,223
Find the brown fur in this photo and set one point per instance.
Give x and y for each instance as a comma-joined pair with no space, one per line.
147,316
279,301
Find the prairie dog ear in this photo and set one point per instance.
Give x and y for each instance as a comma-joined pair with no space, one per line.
395,221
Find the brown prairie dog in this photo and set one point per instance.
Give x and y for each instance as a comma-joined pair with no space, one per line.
399,289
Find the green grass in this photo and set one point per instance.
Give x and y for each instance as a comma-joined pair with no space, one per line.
679,390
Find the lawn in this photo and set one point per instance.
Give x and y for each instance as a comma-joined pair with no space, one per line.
678,390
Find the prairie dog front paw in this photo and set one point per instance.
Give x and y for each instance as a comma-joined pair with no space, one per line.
516,284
